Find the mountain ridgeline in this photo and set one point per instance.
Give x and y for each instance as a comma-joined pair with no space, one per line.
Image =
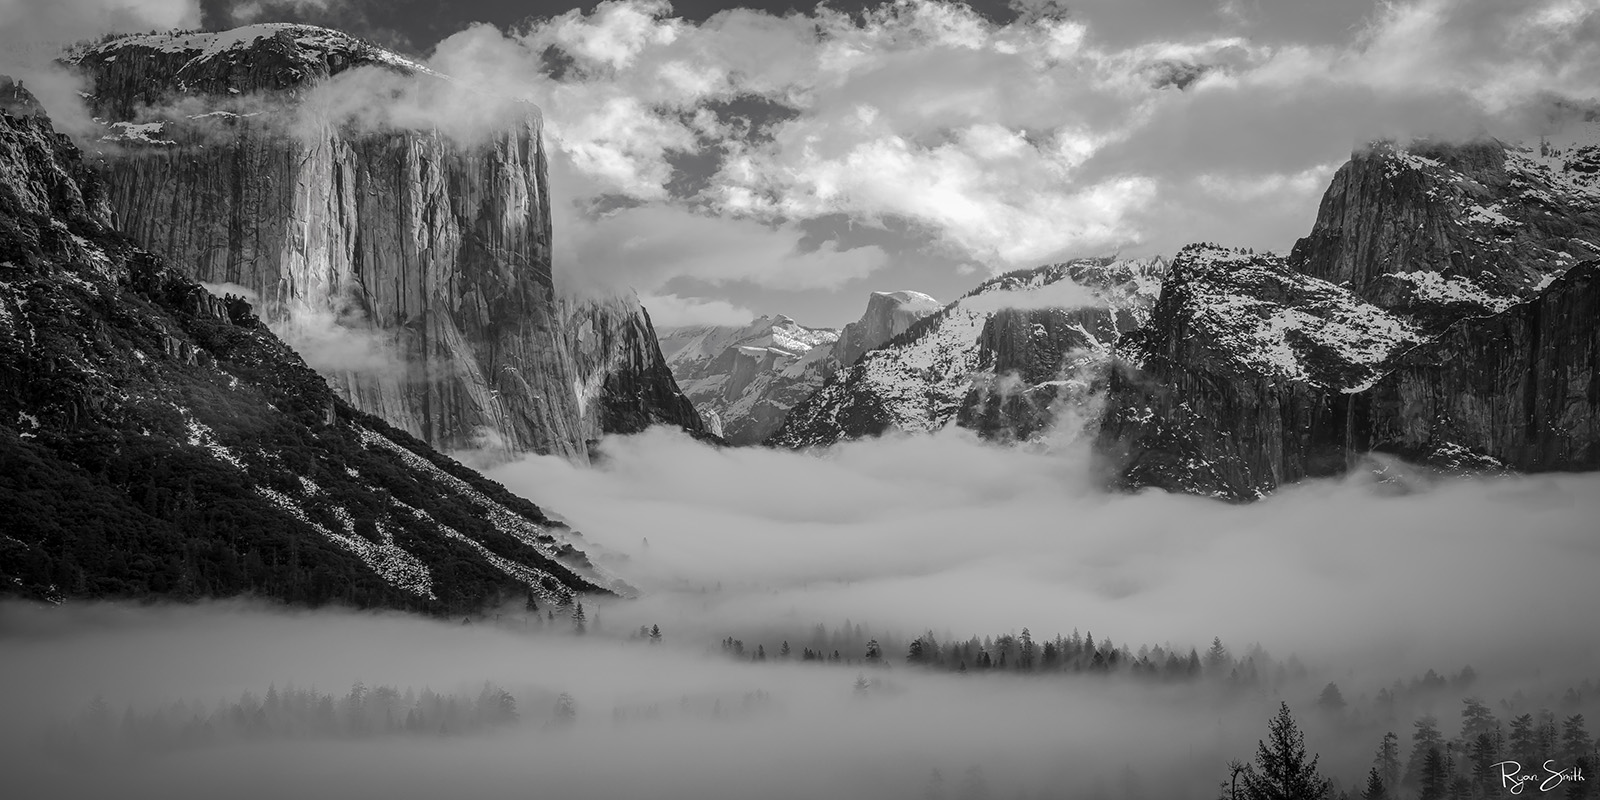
1444,309
158,441
408,263
745,379
1004,361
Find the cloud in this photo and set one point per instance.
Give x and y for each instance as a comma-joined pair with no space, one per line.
340,345
1061,294
33,34
671,311
1043,137
1364,585
649,245
937,530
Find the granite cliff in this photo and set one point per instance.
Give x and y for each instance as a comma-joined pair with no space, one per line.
408,260
1437,311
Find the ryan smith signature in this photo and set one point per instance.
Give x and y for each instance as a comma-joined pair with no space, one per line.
1511,776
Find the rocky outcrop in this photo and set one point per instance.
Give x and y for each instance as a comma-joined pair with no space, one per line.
1500,217
624,383
888,315
999,360
1410,322
409,265
747,378
158,441
1519,389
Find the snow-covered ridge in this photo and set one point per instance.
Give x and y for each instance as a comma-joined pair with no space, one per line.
1519,204
1264,318
920,380
312,42
543,540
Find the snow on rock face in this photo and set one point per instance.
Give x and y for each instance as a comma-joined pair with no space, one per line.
1253,315
1433,285
952,366
239,61
1503,216
554,542
749,377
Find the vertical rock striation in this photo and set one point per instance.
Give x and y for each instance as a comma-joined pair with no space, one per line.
623,383
409,264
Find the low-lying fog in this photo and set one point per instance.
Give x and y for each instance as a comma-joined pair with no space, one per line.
1350,582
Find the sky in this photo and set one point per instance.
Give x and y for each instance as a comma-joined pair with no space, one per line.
734,161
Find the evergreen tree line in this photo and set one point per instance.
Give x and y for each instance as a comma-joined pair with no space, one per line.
289,713
1023,653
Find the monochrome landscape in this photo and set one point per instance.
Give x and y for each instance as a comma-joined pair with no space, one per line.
1143,399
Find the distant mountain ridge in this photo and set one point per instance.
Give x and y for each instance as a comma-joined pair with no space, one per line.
159,441
997,360
745,379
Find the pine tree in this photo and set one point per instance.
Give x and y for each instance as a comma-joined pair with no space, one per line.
1575,742
1476,718
566,709
655,634
1581,790
1217,656
1387,762
874,652
1331,699
783,652
1283,770
1375,789
1521,741
579,625
1425,738
1484,753
1434,776
531,605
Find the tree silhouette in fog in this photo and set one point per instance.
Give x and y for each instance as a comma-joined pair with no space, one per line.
1283,770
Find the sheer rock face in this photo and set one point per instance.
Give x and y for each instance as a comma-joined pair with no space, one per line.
1520,388
748,378
411,268
159,441
623,383
1005,360
1419,318
888,315
1500,216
